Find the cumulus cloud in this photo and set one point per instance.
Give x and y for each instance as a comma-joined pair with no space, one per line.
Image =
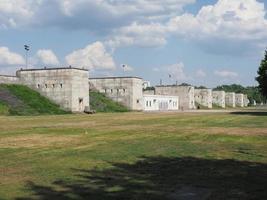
226,74
8,57
237,21
93,56
144,35
85,14
47,57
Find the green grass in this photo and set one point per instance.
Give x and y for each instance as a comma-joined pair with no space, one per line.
32,103
133,156
3,108
100,103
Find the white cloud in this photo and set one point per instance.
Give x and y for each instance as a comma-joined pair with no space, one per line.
10,58
176,71
47,57
227,19
200,73
93,56
144,35
85,14
226,74
15,13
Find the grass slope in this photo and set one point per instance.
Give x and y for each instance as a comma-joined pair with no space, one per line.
100,103
134,156
21,100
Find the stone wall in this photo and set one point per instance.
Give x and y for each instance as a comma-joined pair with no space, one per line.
125,90
67,87
230,99
218,98
239,100
204,97
9,79
185,94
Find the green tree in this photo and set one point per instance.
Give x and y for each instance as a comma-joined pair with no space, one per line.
262,78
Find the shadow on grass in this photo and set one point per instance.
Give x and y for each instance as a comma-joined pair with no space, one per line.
253,113
162,178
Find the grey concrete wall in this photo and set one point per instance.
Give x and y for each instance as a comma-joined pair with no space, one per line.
185,94
204,97
218,98
149,92
9,79
230,99
125,90
67,87
239,100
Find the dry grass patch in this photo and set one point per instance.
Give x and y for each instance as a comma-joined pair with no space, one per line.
36,141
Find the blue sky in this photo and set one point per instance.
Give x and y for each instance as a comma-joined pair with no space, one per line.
207,42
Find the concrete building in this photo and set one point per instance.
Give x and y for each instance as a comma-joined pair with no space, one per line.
126,90
160,103
218,98
204,97
246,100
67,87
230,99
239,100
185,94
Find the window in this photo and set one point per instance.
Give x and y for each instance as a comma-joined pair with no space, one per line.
150,104
38,86
146,103
46,86
53,85
111,90
124,90
105,90
118,90
137,101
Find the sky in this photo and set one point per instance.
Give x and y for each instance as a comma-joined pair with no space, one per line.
200,42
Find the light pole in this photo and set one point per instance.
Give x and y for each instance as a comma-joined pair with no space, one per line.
27,49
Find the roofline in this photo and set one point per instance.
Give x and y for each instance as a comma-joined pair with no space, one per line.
56,68
9,76
115,77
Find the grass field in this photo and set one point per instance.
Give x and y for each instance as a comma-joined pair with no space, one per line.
134,156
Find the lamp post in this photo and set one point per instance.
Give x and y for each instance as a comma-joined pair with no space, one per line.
27,49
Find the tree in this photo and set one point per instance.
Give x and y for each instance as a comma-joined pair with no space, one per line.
262,78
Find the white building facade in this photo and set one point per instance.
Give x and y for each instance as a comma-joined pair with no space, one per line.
160,103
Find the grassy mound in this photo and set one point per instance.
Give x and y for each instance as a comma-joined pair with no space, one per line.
100,103
21,100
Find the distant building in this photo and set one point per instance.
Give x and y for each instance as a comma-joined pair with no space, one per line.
204,97
185,94
246,100
239,100
160,103
67,87
218,98
230,99
125,90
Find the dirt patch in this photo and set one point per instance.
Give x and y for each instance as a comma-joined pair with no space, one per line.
36,141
